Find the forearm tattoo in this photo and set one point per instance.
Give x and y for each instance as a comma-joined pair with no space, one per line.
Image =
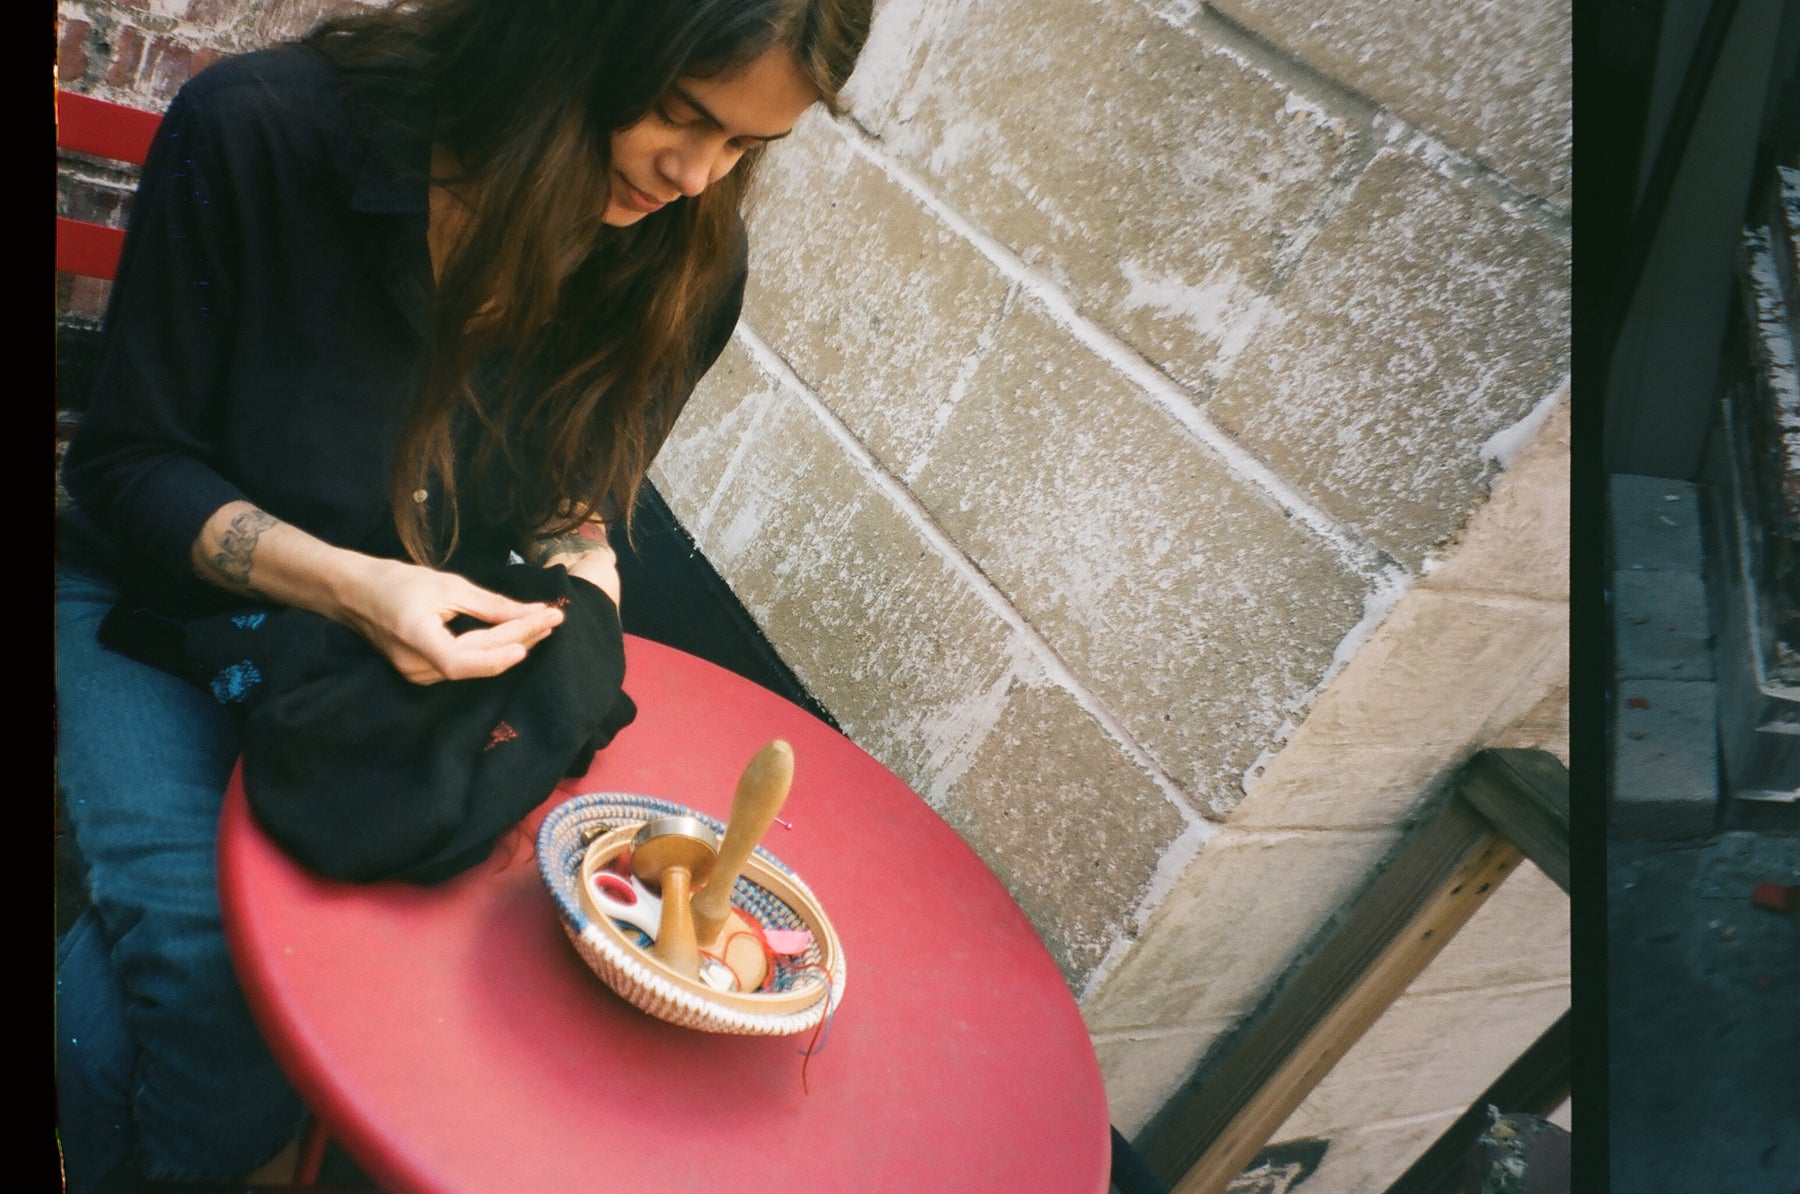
585,539
237,546
556,545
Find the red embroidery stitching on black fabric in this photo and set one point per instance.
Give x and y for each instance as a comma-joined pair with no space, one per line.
500,733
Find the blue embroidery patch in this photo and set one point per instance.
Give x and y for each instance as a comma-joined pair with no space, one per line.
248,621
235,683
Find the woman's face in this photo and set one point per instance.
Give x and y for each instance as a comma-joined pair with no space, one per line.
697,133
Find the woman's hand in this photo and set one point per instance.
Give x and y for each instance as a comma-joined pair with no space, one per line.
404,610
405,613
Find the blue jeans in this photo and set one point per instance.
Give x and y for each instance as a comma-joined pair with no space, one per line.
158,1063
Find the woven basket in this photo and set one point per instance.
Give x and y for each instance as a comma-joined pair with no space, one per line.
767,892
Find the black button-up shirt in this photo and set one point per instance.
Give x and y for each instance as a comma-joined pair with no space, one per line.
267,325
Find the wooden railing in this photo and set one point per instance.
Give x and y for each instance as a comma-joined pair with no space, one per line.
1506,805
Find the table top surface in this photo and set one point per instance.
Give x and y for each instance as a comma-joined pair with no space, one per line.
451,1039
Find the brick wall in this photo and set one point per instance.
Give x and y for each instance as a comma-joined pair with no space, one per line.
137,52
140,54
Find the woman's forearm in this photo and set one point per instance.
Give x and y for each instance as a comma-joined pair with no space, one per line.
404,610
248,551
585,552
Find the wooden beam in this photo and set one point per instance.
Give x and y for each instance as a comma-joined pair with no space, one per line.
1427,892
1524,794
1506,805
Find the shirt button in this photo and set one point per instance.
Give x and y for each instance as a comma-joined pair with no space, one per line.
419,495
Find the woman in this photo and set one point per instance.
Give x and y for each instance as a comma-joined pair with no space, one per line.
423,290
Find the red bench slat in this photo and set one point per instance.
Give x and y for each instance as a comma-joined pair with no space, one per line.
103,128
108,130
91,250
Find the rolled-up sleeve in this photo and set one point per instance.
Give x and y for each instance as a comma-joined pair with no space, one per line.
143,462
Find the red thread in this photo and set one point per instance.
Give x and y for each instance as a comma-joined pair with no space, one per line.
816,1044
762,939
756,930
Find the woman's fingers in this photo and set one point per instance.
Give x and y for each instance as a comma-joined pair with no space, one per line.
508,639
414,632
487,650
454,660
495,609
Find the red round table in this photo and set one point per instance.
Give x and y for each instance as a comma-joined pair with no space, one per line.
450,1039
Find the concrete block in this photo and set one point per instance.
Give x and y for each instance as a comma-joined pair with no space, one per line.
292,18
1536,714
1665,759
1661,626
1069,823
1162,180
1143,1069
1425,691
1427,1055
1518,540
702,454
1544,726
1655,524
1422,324
1199,612
1491,79
873,301
1520,935
1233,922
1320,781
819,556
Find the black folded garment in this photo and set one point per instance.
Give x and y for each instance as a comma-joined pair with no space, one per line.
359,774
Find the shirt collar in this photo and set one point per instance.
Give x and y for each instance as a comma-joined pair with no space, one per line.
392,178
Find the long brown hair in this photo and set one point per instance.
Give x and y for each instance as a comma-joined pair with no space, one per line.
579,330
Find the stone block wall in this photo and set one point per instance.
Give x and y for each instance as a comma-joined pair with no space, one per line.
1147,434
